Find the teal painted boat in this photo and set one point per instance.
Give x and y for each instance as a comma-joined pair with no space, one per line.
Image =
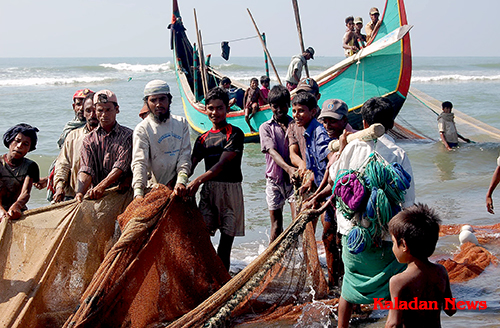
382,68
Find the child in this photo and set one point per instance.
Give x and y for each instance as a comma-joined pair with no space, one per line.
251,101
274,143
264,81
414,233
17,173
447,128
221,198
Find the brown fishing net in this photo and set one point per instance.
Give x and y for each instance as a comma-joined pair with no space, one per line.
472,259
48,257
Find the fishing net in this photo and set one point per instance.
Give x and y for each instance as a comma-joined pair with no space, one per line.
48,258
472,259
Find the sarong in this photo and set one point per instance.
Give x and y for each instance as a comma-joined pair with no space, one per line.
367,274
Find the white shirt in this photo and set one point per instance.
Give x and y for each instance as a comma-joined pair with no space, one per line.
355,155
163,149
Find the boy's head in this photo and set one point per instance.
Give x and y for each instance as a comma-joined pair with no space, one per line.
216,105
418,228
349,22
279,99
358,23
264,81
334,117
378,110
447,106
20,139
254,83
225,82
304,108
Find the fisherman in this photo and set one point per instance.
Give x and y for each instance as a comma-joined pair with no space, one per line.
372,26
295,68
161,144
221,198
17,173
225,84
279,171
373,278
106,152
447,128
349,39
360,38
253,95
76,123
495,179
68,162
334,118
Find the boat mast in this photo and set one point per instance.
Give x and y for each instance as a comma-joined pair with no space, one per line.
299,30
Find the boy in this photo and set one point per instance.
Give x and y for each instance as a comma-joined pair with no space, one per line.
17,173
349,39
264,81
414,233
274,143
221,198
251,101
360,39
447,128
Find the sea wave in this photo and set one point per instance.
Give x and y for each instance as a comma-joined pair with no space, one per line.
52,81
455,77
139,68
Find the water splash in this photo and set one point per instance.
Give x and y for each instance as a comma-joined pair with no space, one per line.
316,314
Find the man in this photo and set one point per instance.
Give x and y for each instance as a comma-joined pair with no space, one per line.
68,163
161,144
225,84
349,39
362,283
106,152
372,27
295,68
360,39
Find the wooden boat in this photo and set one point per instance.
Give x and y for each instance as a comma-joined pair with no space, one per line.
383,68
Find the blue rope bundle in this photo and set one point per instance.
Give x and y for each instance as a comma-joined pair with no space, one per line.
358,240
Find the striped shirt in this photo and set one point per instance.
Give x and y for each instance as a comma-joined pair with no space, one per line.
102,152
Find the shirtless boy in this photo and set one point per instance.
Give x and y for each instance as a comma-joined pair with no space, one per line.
414,233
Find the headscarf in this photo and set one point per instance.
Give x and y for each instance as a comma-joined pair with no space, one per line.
26,129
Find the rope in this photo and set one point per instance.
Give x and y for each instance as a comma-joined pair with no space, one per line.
235,40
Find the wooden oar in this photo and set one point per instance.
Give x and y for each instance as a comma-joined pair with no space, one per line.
202,57
299,30
265,47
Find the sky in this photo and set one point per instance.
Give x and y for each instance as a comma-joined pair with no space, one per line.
131,28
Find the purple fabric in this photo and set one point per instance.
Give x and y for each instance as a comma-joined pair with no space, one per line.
350,190
273,136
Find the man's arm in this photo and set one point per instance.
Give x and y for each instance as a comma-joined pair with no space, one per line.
295,158
493,184
226,158
140,157
443,139
98,191
62,169
14,211
281,162
345,42
463,138
84,182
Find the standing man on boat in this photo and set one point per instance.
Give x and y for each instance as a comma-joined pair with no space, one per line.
295,68
161,144
349,41
68,162
372,27
106,151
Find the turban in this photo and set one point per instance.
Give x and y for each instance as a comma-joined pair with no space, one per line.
26,129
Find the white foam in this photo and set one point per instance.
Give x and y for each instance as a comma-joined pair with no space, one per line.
455,77
139,68
50,81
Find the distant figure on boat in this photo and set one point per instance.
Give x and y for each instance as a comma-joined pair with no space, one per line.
251,100
294,71
372,27
17,173
360,37
279,171
106,152
447,129
161,144
68,162
225,84
349,40
264,82
221,197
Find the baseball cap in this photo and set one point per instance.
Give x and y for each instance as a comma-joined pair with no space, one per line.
334,108
358,20
82,93
156,87
309,85
374,10
310,50
104,96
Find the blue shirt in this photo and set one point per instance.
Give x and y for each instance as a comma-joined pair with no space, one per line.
316,149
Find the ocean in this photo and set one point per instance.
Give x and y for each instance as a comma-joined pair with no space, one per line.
38,91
